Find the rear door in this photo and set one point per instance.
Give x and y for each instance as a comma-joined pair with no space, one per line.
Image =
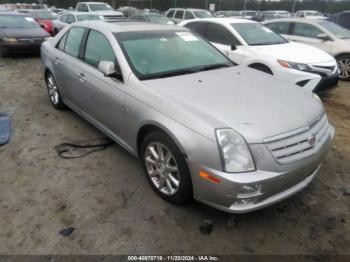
178,17
308,34
66,62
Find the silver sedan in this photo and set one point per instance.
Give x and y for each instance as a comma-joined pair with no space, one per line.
203,127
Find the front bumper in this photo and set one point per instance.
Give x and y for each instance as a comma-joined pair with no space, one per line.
19,45
230,194
327,83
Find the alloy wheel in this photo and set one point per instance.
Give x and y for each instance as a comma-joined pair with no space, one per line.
162,168
53,91
344,66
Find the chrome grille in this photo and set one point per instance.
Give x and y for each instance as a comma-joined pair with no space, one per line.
297,145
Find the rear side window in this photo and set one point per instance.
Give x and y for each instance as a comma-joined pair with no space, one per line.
306,30
82,8
62,42
98,49
64,18
171,13
179,14
220,35
200,28
73,41
279,27
345,20
188,15
71,19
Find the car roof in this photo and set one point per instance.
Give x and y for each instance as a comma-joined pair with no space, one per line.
128,26
225,20
294,19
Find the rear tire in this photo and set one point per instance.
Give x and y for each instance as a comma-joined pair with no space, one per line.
343,62
53,92
166,168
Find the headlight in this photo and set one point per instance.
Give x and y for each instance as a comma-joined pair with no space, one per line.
9,39
296,66
234,151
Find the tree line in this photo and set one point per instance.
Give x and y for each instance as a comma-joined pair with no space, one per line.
327,6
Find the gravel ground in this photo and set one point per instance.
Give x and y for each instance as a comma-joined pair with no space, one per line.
108,201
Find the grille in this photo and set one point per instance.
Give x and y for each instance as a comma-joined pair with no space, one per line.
292,147
331,68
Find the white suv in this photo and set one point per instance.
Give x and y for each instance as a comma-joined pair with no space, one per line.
179,14
252,44
99,8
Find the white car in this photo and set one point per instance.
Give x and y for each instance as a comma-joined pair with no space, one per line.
310,14
99,8
328,36
254,45
180,14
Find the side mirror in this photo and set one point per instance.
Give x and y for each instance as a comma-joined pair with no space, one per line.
233,47
323,37
109,69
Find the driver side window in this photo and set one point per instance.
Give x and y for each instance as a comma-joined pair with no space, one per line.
220,35
306,30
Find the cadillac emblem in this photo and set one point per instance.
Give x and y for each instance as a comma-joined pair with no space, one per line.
312,139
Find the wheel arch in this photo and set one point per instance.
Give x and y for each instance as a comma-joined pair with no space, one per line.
149,127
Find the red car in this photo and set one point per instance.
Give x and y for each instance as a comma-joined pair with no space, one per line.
45,19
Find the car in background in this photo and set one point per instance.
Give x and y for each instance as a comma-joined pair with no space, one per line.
129,11
248,14
19,32
179,14
268,15
71,17
4,9
251,44
152,18
203,127
328,36
310,14
221,14
45,19
99,8
342,18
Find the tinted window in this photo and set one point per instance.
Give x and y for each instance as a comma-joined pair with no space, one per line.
220,35
73,41
306,30
279,27
98,49
64,18
188,15
82,8
70,19
200,28
179,14
171,13
62,42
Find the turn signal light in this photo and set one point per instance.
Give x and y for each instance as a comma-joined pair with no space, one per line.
208,177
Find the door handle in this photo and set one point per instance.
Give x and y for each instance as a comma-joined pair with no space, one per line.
81,77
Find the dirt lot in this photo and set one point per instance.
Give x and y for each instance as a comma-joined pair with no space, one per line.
108,201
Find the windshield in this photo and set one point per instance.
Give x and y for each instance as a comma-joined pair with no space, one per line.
159,54
202,14
8,21
100,7
335,29
159,19
45,15
256,34
89,17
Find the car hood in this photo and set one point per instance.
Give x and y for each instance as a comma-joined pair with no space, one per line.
24,32
295,52
106,13
250,102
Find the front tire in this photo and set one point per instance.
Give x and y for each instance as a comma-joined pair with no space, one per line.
166,168
343,62
53,92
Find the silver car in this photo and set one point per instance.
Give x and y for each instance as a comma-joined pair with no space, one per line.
229,136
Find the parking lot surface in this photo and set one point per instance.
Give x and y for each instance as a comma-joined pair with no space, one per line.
107,199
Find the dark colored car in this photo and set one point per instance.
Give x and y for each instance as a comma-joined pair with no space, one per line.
342,18
20,32
45,19
152,18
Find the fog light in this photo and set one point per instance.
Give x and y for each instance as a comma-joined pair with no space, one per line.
9,39
250,188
